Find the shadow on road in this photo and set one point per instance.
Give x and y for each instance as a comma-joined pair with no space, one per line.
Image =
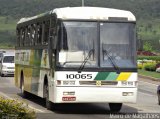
91,108
82,108
33,98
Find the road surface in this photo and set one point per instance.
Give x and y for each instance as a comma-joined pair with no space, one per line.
146,103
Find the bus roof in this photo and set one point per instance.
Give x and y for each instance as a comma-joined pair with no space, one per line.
92,13
86,13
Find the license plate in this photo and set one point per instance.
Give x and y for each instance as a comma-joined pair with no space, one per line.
68,98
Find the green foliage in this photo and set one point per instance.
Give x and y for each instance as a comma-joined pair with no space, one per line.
154,58
7,38
147,47
7,32
140,66
7,23
149,31
16,109
150,67
143,9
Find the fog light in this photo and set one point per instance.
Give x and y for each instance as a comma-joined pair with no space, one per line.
124,83
69,93
68,82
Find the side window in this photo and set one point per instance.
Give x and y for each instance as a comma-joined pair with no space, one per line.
26,37
46,33
53,31
39,34
33,34
18,36
22,37
29,35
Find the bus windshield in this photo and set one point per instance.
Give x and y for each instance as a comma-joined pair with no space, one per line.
112,44
77,40
8,59
118,40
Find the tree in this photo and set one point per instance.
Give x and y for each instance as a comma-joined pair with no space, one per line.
147,47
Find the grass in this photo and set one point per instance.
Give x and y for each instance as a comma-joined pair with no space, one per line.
7,23
149,73
7,46
9,26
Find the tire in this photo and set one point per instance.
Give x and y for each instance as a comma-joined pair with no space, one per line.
2,75
46,95
23,92
158,99
115,107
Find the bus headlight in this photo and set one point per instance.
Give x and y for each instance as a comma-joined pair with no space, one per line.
68,82
128,83
4,67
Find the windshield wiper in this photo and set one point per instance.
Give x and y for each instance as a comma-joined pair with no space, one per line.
112,61
85,60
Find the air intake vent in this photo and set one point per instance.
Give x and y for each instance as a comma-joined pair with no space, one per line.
117,19
111,83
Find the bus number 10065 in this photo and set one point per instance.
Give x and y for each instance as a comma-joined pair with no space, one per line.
79,76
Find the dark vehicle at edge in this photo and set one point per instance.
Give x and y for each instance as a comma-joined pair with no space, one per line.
158,94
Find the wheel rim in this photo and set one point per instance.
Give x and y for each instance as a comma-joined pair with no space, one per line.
22,88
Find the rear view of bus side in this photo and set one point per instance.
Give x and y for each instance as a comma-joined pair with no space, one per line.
78,55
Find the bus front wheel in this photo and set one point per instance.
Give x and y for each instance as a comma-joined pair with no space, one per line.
46,93
115,107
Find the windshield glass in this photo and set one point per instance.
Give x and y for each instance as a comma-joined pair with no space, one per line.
8,59
77,39
117,40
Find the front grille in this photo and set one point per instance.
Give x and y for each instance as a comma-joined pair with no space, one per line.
10,67
95,82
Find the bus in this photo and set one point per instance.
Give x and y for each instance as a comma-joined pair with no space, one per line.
78,55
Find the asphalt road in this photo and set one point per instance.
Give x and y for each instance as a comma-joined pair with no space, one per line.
146,103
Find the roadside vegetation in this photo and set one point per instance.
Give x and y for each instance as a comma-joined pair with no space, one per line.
149,73
13,109
148,66
7,32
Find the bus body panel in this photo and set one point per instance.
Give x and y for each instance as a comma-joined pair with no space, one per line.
33,69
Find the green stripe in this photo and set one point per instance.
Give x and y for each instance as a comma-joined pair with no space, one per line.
102,76
112,76
106,76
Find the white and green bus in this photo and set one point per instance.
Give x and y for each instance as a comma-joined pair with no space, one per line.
78,55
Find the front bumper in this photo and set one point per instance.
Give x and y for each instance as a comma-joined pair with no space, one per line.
95,95
8,71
